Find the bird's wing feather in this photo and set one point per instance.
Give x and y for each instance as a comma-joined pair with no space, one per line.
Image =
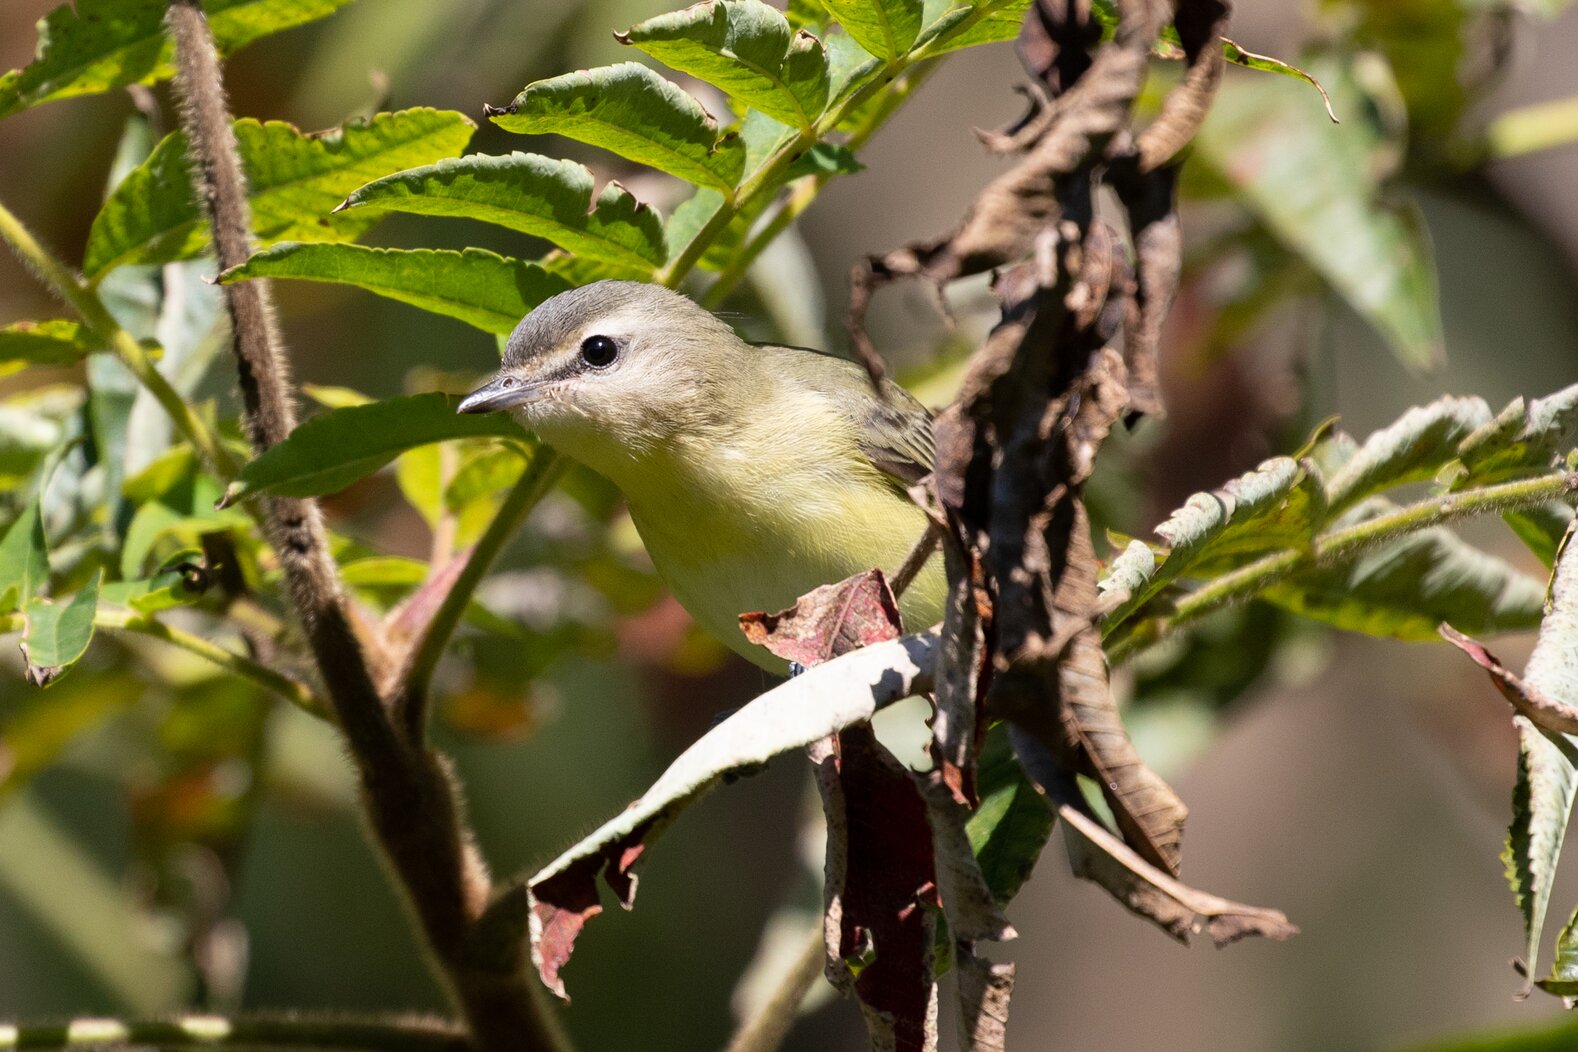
894,429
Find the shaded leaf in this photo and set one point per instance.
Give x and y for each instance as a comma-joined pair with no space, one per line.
1413,449
746,49
294,181
334,449
1316,187
1408,587
1542,528
105,44
478,287
1563,978
630,110
58,633
57,343
536,195
163,591
885,28
809,707
1011,825
1542,801
24,560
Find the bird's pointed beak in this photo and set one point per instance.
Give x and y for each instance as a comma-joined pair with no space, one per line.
502,392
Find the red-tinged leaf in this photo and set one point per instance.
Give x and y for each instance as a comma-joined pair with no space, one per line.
881,892
827,621
562,903
1555,716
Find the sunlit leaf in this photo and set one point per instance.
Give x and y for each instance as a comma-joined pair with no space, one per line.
630,110
97,45
58,343
1412,449
478,287
295,180
541,196
746,49
996,20
886,28
58,633
149,595
334,449
1523,440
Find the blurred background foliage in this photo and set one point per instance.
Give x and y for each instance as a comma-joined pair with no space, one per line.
168,837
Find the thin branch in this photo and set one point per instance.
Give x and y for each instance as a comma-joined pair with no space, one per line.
410,706
90,308
219,1032
408,791
766,1030
917,559
1338,546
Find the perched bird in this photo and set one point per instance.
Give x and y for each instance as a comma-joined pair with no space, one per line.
754,473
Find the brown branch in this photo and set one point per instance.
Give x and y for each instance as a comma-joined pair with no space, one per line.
408,790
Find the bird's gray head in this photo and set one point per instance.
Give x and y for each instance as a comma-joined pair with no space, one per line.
612,369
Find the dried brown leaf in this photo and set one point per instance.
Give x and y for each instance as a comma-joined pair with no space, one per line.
828,621
1555,716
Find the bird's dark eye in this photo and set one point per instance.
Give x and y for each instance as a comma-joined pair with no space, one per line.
599,351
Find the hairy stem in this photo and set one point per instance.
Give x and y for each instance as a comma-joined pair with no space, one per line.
408,791
90,308
1339,546
219,1032
411,706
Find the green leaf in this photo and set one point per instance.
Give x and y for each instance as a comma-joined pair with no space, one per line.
1013,822
886,28
58,633
334,449
1267,64
106,44
1542,800
1541,528
630,110
1407,588
996,21
851,67
24,560
1522,441
478,287
1317,188
484,475
384,571
746,49
149,595
43,343
295,180
1563,979
1413,449
536,195
419,473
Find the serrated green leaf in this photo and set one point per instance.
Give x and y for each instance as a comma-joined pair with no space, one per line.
631,111
104,44
1523,440
24,559
536,195
996,21
1412,449
1407,588
334,449
58,632
1542,801
1317,188
478,287
850,66
746,49
1011,826
294,179
52,342
886,28
1278,505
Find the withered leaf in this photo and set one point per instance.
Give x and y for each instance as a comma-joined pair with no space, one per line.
827,621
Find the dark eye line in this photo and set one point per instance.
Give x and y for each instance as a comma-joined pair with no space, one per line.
599,351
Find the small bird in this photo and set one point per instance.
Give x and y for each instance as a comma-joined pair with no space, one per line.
754,473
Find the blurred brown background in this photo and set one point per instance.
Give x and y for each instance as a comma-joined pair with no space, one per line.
1364,792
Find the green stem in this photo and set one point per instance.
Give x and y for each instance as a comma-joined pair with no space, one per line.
769,176
195,1031
1339,546
1530,129
90,308
112,620
541,473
